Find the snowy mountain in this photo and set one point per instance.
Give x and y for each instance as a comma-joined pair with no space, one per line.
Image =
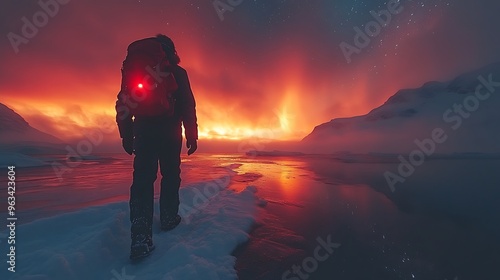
462,114
16,135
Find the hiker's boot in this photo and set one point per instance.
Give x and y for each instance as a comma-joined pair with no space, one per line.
142,246
170,222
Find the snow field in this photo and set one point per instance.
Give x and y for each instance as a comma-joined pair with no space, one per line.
94,243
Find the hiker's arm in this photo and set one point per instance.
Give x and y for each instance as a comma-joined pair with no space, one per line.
188,109
124,117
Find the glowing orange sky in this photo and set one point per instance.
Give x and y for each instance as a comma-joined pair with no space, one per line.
275,84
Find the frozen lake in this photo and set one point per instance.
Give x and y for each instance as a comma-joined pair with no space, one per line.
442,223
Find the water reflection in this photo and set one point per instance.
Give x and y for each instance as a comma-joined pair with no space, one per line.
427,229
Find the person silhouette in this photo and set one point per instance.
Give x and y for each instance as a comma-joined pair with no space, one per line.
153,140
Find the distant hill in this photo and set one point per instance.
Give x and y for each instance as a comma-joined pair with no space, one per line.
469,123
16,135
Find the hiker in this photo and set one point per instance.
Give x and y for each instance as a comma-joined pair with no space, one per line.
154,101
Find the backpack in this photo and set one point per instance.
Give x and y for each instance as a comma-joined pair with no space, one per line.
148,83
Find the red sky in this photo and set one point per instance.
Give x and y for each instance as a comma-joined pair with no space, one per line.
272,70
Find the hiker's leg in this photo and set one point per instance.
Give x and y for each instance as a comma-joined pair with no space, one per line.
170,162
142,189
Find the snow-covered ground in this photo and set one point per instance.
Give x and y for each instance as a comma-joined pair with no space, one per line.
93,243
